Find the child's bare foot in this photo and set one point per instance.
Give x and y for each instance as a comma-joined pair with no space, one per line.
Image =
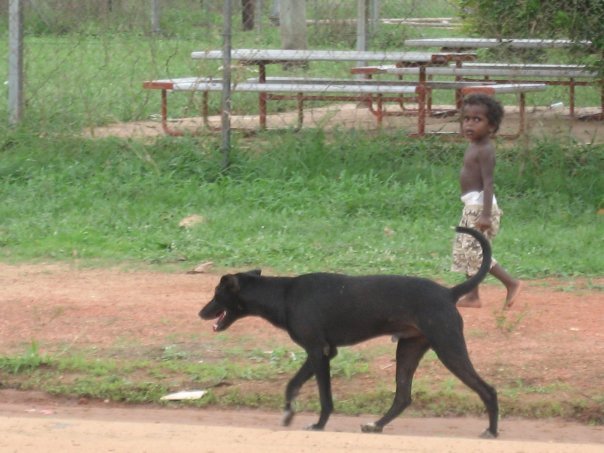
513,291
469,302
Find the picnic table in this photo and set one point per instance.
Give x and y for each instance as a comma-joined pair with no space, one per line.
264,57
267,56
459,44
373,93
501,72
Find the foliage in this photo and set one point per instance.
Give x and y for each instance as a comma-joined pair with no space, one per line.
579,20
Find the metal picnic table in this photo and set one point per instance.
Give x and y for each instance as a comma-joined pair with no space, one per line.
458,44
264,57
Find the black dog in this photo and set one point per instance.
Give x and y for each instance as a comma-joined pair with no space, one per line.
323,311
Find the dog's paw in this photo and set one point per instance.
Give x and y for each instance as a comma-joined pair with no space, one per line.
371,428
488,435
313,427
287,418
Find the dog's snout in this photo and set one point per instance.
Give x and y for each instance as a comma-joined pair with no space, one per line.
206,311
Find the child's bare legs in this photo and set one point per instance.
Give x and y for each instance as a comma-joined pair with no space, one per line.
512,285
471,299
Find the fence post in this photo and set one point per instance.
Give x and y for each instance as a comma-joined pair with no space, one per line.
155,16
15,62
374,17
226,84
362,10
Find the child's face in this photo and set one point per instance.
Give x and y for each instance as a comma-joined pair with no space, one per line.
475,124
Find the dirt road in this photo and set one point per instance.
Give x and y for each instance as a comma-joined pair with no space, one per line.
94,429
552,337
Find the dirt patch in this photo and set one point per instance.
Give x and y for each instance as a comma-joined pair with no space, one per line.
541,122
551,339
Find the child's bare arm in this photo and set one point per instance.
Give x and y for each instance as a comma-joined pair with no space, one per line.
487,170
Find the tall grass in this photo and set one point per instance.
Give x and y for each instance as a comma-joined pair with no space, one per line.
292,202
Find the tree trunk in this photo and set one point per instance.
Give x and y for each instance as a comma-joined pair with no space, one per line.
247,14
292,20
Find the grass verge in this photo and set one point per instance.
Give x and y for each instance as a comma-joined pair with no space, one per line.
257,379
345,201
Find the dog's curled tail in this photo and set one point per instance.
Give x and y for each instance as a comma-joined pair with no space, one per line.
474,281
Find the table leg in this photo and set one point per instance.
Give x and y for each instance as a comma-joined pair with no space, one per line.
164,116
522,113
571,89
458,96
262,95
300,98
421,102
380,108
601,116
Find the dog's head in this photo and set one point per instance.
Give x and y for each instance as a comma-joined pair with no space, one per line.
227,306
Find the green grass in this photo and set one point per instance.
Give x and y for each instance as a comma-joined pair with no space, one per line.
143,381
292,202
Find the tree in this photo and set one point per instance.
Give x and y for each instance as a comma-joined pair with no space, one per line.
292,24
247,14
578,20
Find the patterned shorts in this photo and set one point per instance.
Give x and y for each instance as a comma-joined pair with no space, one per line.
467,254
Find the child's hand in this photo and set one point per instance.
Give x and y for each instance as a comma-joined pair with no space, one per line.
483,223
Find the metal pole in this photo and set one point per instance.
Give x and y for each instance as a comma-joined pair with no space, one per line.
155,16
15,62
226,84
362,10
375,17
259,9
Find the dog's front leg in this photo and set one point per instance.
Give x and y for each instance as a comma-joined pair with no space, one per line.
293,388
320,358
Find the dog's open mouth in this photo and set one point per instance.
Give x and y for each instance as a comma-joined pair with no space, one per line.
218,324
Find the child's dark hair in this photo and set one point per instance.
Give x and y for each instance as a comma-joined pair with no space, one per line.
494,107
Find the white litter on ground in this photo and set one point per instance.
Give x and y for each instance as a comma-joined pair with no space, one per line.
184,395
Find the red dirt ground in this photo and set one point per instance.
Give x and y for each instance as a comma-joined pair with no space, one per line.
552,336
541,123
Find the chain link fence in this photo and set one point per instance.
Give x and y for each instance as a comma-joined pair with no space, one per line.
85,62
326,18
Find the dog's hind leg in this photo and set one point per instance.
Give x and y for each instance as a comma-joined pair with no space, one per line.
452,351
293,388
409,352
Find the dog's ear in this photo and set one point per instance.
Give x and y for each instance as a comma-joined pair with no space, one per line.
255,272
230,282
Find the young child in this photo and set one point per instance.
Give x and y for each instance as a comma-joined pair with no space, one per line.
481,116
